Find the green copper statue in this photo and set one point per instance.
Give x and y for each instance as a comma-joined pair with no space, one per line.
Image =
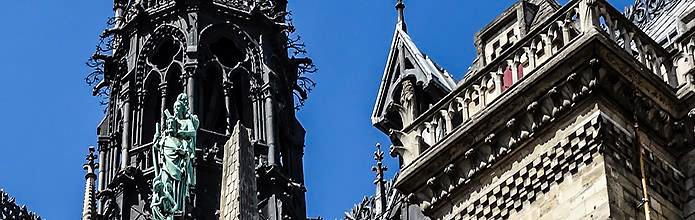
173,155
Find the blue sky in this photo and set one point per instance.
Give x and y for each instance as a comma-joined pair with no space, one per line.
50,117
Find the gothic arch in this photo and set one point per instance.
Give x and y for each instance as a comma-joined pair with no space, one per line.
160,35
151,108
241,40
231,71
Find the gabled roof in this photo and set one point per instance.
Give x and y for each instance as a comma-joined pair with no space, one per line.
422,69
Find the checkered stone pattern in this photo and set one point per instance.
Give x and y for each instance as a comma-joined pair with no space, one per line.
566,158
663,178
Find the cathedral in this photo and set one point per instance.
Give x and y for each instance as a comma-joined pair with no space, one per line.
574,111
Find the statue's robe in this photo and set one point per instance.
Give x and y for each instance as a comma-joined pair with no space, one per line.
187,130
174,160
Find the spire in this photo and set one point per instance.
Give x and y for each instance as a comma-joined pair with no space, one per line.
379,169
400,6
89,208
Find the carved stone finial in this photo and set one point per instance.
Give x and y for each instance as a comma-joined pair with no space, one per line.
89,208
400,7
91,165
379,169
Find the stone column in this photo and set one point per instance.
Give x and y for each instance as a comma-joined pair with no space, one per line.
531,55
140,112
227,90
102,155
113,163
190,85
267,97
125,136
565,31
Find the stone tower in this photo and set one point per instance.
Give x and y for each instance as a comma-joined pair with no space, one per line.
232,58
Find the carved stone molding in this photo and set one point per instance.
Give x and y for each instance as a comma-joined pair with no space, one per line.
529,183
642,12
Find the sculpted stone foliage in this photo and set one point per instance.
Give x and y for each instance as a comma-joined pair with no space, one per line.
10,210
644,11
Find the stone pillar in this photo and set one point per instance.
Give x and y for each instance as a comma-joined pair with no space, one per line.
89,208
139,115
190,85
227,90
238,195
125,137
565,31
269,112
102,143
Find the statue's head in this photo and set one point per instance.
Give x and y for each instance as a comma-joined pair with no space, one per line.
171,125
157,185
181,105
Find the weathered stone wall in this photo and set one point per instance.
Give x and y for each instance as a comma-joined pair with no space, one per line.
582,195
559,175
665,181
625,192
238,198
687,164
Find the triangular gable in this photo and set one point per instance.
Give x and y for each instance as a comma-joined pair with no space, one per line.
413,64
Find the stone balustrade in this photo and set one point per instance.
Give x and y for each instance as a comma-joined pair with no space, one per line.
142,156
632,39
544,42
483,87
